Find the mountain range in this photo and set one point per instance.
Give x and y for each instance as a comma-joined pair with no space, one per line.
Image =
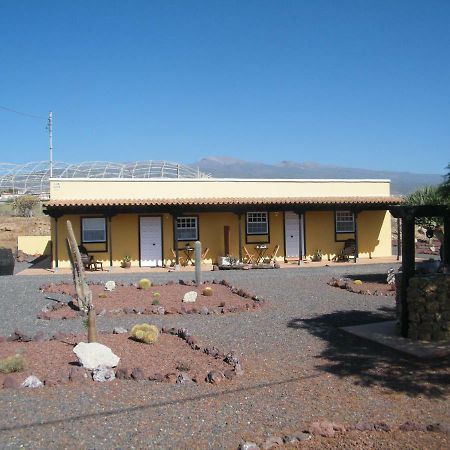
402,183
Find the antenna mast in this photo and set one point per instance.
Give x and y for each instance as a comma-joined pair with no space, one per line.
50,141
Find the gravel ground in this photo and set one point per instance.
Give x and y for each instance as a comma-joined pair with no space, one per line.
299,367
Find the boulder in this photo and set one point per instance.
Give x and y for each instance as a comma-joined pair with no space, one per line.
103,374
32,382
92,355
77,375
120,330
110,285
190,297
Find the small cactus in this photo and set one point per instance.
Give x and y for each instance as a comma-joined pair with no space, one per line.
208,291
358,282
156,295
145,333
145,284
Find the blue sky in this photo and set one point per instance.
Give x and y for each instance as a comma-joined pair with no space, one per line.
355,83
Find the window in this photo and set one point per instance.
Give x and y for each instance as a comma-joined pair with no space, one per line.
93,229
345,222
187,228
257,223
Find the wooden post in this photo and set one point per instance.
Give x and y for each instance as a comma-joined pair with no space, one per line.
408,268
226,239
240,235
355,213
84,294
446,243
399,239
56,242
175,240
110,242
300,238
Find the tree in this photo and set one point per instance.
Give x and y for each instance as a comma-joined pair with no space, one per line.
428,195
444,188
24,204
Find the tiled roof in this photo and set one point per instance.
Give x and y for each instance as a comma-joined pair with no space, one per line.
228,201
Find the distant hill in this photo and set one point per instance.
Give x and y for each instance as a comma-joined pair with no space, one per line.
226,167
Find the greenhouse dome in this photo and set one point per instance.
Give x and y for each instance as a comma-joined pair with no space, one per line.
33,177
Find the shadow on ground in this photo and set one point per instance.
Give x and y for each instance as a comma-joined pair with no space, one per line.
372,364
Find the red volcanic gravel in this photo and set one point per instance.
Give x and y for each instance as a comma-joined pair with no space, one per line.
51,361
130,299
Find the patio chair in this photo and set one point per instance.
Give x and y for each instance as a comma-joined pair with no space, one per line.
88,261
348,252
181,260
272,257
249,258
205,253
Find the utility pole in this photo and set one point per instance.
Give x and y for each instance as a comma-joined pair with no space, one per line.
50,141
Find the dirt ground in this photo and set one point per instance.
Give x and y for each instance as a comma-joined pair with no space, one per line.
11,227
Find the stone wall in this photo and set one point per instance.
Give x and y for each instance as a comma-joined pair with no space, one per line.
429,307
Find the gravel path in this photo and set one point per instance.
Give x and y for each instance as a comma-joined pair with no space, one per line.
299,367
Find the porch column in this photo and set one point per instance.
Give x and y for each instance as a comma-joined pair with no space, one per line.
110,242
446,243
300,238
56,242
240,234
355,213
408,267
399,238
175,238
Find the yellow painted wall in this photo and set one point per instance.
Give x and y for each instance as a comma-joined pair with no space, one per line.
373,229
374,234
122,188
33,245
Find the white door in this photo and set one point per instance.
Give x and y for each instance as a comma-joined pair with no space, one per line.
151,241
293,232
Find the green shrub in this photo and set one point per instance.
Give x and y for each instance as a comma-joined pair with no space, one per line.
145,284
11,364
145,333
156,302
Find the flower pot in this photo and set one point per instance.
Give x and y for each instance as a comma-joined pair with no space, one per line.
316,258
125,264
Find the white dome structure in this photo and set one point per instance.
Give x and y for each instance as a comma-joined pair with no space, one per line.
33,177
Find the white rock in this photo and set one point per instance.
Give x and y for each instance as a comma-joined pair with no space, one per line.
93,355
32,382
102,374
119,330
190,297
110,285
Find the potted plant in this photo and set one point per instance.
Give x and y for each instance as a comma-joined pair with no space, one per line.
317,256
126,262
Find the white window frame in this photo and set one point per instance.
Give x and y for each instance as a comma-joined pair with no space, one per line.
345,222
252,217
85,227
183,223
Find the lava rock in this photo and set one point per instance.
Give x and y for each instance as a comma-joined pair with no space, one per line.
412,426
215,377
77,375
102,374
10,383
381,426
32,382
119,330
248,446
124,373
272,442
137,374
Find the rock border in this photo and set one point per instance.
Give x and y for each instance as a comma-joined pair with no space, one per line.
80,374
349,285
255,302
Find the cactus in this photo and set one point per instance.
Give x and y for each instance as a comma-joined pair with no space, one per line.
11,364
145,284
208,291
145,333
358,282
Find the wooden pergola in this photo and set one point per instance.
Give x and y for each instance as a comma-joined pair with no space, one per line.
408,215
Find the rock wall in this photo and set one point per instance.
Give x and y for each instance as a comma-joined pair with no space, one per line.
428,300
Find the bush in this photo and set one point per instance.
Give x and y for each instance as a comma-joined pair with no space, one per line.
24,204
145,333
11,364
145,284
